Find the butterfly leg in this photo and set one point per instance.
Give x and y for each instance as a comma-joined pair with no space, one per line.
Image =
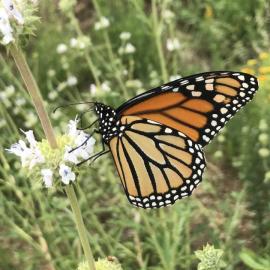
96,156
90,135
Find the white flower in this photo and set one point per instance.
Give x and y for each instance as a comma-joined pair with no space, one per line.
67,175
90,145
19,102
57,114
264,152
267,177
173,44
86,145
53,95
263,126
5,27
61,86
125,36
3,123
130,48
12,11
72,80
93,89
30,156
51,73
47,175
10,90
31,119
263,138
30,138
127,49
105,87
168,15
102,23
221,138
73,42
218,154
82,141
80,43
61,48
72,128
71,156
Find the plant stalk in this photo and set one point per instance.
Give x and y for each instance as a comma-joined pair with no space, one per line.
80,226
35,94
157,34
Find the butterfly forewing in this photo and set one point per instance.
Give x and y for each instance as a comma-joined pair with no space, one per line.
157,164
198,106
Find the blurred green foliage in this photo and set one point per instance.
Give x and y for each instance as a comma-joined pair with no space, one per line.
78,55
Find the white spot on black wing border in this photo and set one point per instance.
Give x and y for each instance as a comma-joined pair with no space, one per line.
218,119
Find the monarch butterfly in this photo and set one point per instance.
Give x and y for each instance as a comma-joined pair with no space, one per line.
157,138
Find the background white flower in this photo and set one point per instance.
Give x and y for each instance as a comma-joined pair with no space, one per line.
102,23
172,44
61,48
127,49
125,36
72,80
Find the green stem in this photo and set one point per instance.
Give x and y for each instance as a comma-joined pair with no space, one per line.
157,35
89,61
80,226
34,92
116,67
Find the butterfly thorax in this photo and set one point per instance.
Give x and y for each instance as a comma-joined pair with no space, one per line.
107,121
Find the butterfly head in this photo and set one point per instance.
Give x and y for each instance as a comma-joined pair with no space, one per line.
107,119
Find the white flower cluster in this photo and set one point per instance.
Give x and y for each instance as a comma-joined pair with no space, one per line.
74,147
102,23
16,18
173,44
80,43
104,88
126,47
264,151
125,36
168,15
9,12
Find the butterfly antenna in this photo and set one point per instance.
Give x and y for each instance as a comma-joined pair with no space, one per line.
72,104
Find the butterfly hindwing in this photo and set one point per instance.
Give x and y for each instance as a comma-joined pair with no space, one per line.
157,165
198,106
